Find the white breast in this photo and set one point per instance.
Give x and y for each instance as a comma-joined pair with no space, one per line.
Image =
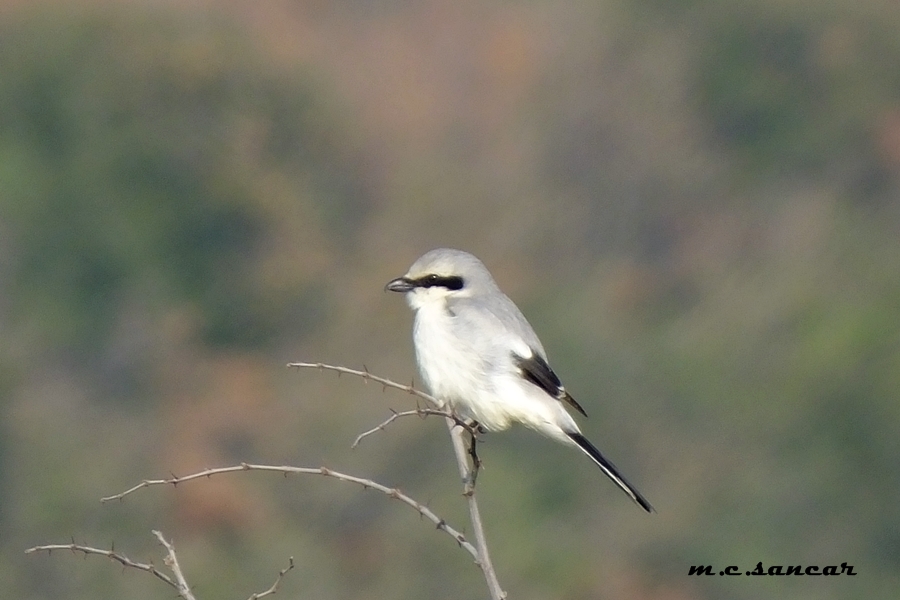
475,382
451,368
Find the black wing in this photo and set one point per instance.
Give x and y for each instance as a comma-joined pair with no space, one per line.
536,370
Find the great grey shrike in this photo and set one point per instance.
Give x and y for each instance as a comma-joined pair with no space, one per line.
478,354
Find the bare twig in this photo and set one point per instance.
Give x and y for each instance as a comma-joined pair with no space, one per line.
419,412
275,585
468,474
120,558
171,561
409,389
387,383
456,426
288,470
180,584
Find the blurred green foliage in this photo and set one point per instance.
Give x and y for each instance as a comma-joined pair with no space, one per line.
127,149
795,94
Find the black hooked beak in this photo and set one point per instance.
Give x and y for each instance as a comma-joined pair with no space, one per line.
401,284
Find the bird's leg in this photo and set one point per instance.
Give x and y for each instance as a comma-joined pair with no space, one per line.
474,428
473,452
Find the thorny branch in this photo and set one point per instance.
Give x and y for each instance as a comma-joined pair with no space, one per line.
170,560
419,412
274,587
456,427
467,473
387,383
473,429
111,554
288,470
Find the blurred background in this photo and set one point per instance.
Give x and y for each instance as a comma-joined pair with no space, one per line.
697,204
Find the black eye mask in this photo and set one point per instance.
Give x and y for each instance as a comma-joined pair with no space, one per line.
451,282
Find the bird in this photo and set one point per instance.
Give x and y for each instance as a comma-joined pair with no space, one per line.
479,356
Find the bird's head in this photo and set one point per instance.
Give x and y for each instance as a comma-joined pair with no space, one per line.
442,274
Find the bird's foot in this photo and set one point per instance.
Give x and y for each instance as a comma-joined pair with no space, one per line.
474,428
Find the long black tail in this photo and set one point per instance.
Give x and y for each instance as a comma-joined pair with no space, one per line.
610,469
